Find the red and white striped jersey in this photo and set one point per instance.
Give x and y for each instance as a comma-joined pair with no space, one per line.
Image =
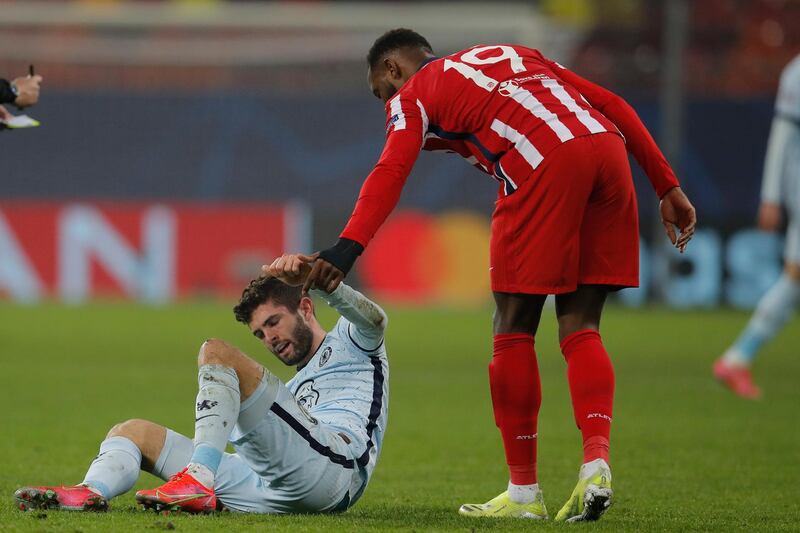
503,108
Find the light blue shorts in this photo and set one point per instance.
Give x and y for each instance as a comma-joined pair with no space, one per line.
285,461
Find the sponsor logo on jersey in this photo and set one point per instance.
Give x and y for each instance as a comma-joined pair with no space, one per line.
508,87
326,355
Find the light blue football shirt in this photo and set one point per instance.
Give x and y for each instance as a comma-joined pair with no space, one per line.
345,385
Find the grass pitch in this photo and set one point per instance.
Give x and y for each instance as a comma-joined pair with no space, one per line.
686,455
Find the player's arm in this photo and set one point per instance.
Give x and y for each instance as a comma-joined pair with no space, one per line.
367,319
781,135
378,197
675,208
784,133
638,140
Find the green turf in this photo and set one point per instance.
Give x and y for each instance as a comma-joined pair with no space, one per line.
687,455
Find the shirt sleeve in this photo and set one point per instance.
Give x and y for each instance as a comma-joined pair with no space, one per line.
783,133
638,140
787,103
367,321
406,125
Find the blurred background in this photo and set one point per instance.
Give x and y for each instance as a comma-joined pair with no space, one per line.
184,143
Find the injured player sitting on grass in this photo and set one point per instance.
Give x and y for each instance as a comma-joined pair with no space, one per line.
306,446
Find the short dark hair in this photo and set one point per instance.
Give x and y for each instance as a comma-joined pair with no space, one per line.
394,40
264,289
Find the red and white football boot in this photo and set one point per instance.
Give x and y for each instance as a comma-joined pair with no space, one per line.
69,498
181,493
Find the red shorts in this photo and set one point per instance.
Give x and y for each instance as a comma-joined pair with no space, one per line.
573,222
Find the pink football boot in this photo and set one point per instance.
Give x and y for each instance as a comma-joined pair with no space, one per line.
70,498
181,493
737,378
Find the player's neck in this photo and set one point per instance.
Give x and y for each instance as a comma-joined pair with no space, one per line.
316,341
419,60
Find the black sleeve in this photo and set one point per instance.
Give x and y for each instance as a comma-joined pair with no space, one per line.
343,254
6,95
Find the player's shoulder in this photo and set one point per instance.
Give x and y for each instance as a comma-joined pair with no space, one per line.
791,72
423,81
486,51
345,335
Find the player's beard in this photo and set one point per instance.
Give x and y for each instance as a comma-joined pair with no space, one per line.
303,338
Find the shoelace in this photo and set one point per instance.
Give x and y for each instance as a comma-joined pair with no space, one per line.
178,476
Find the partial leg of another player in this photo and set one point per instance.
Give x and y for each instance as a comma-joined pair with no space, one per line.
516,398
226,377
773,311
129,447
591,383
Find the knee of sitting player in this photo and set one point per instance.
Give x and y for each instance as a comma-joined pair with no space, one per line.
134,429
215,352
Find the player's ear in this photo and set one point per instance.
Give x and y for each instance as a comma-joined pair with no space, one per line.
306,307
392,67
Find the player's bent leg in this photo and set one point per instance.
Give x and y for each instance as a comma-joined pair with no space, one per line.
224,374
129,446
248,370
312,467
591,381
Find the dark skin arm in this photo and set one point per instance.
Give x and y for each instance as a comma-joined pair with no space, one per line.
677,212
323,276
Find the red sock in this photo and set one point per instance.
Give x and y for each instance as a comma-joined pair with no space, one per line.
591,384
516,398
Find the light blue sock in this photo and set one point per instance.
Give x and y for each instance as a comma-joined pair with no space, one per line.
216,412
207,456
773,311
116,468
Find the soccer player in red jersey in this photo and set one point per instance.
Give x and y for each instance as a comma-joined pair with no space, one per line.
565,223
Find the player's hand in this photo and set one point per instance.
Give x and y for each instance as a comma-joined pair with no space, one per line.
292,269
323,276
678,212
5,115
28,88
769,216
